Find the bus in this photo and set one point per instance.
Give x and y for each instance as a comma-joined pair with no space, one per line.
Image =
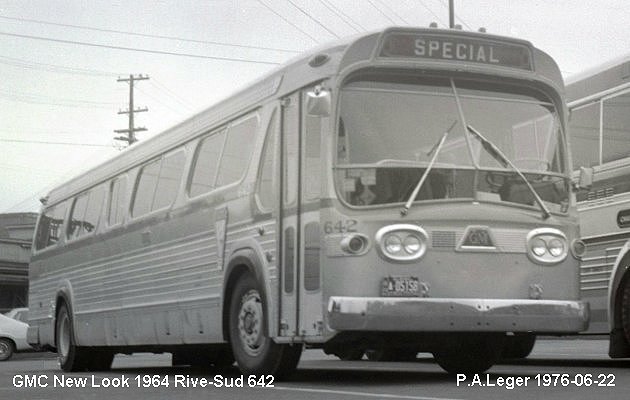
599,127
403,190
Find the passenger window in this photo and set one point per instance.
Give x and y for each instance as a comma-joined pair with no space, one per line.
206,164
312,160
584,133
267,189
117,201
169,180
238,151
146,188
86,213
50,226
93,210
616,128
76,218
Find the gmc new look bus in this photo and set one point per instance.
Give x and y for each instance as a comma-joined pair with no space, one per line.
599,100
404,190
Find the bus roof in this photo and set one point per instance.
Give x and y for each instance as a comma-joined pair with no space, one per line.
301,70
605,76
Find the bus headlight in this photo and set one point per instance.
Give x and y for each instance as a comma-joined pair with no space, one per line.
547,246
401,242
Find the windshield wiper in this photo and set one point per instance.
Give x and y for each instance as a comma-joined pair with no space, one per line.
436,151
505,162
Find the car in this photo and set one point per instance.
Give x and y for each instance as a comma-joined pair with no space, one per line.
12,337
20,314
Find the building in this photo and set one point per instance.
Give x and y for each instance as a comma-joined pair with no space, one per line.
16,236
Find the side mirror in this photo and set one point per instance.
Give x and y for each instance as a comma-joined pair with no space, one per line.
585,181
318,102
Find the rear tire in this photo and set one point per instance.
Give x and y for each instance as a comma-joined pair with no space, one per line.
74,358
255,352
519,345
471,355
625,309
350,354
7,348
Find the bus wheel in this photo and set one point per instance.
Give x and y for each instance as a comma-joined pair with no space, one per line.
625,309
6,349
71,357
519,345
254,351
350,354
385,354
471,355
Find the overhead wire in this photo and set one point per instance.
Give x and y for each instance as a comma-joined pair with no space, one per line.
170,53
17,62
53,143
160,86
381,12
432,13
313,19
341,12
384,4
339,16
150,35
287,21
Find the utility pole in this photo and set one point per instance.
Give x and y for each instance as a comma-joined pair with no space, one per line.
451,14
131,137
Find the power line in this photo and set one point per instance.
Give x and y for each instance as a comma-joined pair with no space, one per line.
381,12
338,15
54,143
169,93
313,19
342,14
384,4
432,12
149,35
138,49
287,21
18,62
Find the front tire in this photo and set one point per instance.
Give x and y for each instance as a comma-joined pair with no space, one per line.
471,355
6,349
519,345
255,352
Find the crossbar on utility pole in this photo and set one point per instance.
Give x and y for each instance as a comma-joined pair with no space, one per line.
130,132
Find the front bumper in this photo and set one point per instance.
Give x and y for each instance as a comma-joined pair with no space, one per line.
402,314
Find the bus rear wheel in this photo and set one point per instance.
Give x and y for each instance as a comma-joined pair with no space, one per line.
625,309
471,355
255,352
74,358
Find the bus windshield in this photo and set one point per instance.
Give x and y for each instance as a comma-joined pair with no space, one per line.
388,129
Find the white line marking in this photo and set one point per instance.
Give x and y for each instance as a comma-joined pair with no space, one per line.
362,394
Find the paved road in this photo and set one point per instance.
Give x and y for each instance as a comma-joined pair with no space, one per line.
324,377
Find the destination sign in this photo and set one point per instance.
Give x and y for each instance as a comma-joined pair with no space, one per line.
456,48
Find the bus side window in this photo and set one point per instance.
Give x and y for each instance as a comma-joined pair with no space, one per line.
75,226
145,189
169,180
206,162
267,186
616,127
117,201
237,151
50,226
584,133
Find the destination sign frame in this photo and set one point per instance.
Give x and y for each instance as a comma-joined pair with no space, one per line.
456,48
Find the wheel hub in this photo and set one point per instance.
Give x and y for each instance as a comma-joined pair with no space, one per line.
250,319
4,349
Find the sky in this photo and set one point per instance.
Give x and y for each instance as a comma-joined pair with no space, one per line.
60,62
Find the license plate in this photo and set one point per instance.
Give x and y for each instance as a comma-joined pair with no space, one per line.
400,286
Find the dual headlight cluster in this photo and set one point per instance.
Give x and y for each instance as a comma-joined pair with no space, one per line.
402,242
547,246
